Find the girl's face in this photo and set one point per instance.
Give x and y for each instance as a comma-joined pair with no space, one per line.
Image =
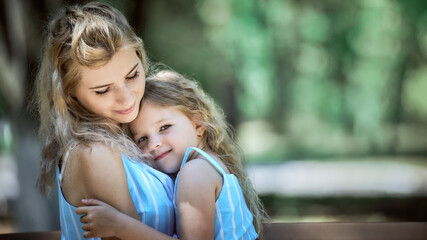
114,90
166,134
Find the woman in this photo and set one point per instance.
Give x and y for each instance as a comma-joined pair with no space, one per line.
91,81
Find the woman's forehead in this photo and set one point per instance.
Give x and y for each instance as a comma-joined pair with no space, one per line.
120,66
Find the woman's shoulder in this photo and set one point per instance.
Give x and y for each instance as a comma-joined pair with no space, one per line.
91,153
94,161
93,168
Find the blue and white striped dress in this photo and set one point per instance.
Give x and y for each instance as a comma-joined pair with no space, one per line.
151,192
233,220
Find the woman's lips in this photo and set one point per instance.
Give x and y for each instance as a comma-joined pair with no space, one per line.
162,155
127,111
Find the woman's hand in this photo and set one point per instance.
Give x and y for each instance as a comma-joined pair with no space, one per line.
100,219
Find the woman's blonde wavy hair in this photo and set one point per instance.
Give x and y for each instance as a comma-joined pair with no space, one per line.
81,35
170,89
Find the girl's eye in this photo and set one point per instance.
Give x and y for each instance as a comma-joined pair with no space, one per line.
135,75
142,139
164,127
102,92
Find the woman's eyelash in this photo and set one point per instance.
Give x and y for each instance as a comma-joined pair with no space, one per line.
133,76
102,92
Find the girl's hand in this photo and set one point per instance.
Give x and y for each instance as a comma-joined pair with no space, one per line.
99,219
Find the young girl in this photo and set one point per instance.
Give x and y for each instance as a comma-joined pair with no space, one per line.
182,130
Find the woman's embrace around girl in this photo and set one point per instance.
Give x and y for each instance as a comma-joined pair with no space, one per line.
187,136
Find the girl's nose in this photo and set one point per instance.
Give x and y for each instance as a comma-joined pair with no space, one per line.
154,143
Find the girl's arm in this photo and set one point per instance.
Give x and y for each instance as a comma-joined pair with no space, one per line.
102,220
199,185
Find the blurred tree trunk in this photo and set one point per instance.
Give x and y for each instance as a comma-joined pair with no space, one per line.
30,210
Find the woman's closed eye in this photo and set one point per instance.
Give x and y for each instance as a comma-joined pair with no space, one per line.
135,75
101,92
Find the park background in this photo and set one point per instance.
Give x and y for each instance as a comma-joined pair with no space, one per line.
328,98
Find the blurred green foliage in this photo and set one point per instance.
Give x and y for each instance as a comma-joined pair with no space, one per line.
304,78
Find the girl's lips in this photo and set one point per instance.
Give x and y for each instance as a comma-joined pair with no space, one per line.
162,155
127,111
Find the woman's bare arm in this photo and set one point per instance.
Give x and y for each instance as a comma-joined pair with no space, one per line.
97,171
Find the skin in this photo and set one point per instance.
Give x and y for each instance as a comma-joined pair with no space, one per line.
94,171
160,130
196,212
114,90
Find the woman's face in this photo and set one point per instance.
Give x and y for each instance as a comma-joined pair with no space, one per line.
114,90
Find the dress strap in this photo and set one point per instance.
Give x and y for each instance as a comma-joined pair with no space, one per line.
64,162
209,158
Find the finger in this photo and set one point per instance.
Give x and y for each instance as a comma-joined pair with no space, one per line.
88,234
86,227
82,210
84,219
92,202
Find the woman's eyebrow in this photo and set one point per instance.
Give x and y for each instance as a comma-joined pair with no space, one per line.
106,85
132,69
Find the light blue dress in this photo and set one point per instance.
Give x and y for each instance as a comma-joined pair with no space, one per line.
233,220
151,192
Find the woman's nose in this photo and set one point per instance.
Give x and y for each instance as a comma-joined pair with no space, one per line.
125,96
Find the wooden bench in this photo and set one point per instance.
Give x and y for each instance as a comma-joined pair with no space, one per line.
302,231
347,231
48,235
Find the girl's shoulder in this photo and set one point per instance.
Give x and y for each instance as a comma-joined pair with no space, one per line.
200,173
211,160
196,165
